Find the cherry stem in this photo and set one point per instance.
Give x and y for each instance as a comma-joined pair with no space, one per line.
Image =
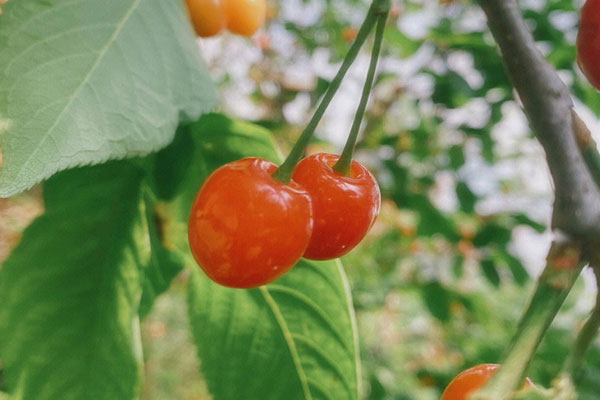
586,336
344,163
563,267
285,171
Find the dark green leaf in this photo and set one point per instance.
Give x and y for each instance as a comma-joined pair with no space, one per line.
525,220
438,300
517,269
457,157
70,290
488,266
451,90
164,265
492,233
466,197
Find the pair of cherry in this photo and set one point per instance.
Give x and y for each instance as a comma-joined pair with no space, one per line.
247,228
211,17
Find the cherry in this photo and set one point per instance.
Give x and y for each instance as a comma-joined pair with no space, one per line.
471,380
245,17
345,207
208,16
246,228
588,42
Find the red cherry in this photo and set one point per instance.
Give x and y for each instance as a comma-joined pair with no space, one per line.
471,380
344,207
246,228
588,42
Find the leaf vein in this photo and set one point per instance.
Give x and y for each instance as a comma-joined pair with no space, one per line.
85,81
289,340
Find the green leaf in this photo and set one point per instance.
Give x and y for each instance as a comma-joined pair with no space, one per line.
490,271
293,339
85,81
400,42
466,197
492,233
456,157
289,340
458,266
525,220
70,290
171,166
214,140
437,299
164,265
517,268
451,90
432,221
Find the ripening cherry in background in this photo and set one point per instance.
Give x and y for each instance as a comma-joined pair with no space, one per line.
245,17
246,228
471,380
345,207
588,42
242,17
208,16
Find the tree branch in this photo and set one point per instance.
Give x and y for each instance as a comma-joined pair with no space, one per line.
549,108
586,336
562,269
548,105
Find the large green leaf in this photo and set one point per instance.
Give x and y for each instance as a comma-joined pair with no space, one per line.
70,290
164,265
85,81
293,339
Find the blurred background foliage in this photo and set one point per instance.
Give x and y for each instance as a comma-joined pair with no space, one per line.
446,272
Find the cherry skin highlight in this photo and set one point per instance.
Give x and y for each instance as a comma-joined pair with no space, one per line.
247,229
471,380
588,42
245,17
207,16
344,207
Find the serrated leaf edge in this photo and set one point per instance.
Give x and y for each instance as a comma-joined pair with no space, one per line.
85,81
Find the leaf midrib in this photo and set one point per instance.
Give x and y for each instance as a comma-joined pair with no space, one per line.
112,39
289,339
287,335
